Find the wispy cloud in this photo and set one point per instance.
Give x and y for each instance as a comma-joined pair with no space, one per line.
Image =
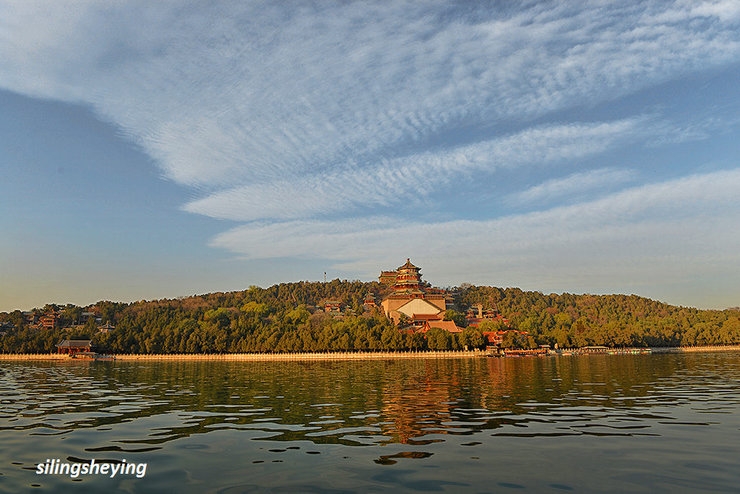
574,185
672,230
665,132
227,93
399,180
697,197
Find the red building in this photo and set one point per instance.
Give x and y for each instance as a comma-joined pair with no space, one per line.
72,347
333,306
410,299
49,321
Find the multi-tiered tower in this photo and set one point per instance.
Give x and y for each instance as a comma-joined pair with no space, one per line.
408,296
408,280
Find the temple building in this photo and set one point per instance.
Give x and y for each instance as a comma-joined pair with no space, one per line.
73,347
410,299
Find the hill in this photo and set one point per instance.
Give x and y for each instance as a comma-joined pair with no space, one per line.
291,317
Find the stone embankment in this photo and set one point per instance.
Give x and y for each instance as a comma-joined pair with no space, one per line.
33,356
266,356
307,356
694,349
235,357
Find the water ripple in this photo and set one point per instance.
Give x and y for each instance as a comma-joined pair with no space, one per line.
412,409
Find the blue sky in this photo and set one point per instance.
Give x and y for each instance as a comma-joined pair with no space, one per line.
160,149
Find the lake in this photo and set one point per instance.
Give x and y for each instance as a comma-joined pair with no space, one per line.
607,423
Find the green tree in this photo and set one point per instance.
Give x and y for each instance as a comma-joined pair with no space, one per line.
392,339
457,317
492,326
471,338
439,339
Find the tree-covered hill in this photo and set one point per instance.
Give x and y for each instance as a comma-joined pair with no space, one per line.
290,317
612,320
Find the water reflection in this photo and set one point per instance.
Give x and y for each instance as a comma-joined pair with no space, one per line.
410,408
353,403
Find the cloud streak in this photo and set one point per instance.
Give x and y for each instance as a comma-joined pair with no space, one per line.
241,92
677,230
399,180
574,185
695,198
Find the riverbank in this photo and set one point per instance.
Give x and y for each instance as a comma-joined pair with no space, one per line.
693,349
265,356
309,356
329,355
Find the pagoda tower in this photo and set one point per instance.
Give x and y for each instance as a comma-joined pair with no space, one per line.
409,297
408,279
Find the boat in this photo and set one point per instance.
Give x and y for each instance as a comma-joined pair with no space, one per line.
92,356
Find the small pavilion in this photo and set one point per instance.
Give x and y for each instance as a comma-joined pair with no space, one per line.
72,347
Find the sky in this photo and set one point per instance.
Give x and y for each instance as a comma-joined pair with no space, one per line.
163,149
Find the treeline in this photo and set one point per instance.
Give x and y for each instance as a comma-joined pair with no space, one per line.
612,320
289,317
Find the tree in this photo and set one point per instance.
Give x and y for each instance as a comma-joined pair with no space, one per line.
471,338
517,340
299,315
391,339
492,326
91,327
415,341
71,315
457,317
439,339
284,317
219,317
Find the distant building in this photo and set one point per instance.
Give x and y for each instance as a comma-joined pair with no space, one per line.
369,303
30,317
409,298
478,314
333,306
87,315
449,326
496,338
387,278
106,328
49,321
72,347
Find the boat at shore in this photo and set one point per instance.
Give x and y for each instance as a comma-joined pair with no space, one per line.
91,356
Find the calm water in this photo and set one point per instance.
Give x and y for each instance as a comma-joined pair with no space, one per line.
642,423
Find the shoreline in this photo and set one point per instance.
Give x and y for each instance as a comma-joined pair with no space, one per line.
262,357
256,357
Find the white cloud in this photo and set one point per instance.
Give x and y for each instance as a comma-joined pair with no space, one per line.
695,197
574,185
400,180
224,94
674,230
